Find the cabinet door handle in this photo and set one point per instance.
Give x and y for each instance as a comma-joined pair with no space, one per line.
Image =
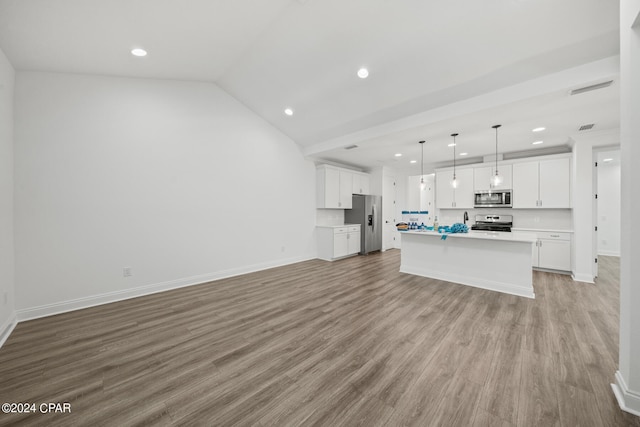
554,235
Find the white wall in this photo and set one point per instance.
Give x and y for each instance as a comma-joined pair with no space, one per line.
176,180
608,219
627,379
7,304
544,219
329,216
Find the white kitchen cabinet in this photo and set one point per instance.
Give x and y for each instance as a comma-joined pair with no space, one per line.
555,183
444,192
353,240
552,251
346,185
333,188
336,242
554,254
482,178
525,185
459,198
542,184
361,183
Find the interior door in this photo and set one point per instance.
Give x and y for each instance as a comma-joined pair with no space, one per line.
389,238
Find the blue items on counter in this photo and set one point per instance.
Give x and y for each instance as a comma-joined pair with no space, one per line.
455,228
459,228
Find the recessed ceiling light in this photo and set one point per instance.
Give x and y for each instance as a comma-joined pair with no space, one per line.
451,145
537,129
288,111
537,142
138,52
463,154
398,154
363,73
607,160
413,161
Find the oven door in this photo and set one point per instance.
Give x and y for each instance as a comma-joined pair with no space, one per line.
493,199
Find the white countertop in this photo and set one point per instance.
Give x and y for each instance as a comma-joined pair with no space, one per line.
545,230
338,226
486,235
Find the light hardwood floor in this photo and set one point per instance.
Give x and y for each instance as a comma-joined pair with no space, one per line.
353,342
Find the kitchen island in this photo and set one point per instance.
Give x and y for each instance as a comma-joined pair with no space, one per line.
497,261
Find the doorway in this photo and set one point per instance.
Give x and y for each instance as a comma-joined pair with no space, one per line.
606,204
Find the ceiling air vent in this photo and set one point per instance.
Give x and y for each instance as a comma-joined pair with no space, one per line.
590,88
586,127
350,147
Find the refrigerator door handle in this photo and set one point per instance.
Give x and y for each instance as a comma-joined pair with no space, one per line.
373,217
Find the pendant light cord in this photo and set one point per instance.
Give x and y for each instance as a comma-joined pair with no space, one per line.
421,164
422,159
496,128
454,154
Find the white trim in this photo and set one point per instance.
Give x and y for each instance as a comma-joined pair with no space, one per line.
7,327
587,278
507,288
628,400
109,297
609,253
551,270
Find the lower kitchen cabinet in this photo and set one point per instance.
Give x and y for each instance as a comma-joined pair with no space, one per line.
336,242
552,251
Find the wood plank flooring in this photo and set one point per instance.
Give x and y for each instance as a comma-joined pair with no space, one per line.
348,343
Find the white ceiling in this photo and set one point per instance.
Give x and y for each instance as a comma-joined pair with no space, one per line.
435,67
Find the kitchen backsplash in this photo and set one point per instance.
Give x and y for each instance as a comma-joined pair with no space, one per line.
552,219
329,216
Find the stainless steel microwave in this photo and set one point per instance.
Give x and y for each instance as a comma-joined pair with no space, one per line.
493,199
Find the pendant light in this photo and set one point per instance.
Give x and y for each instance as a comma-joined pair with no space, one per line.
496,179
423,185
454,181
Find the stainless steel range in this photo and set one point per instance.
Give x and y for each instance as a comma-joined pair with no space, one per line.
493,223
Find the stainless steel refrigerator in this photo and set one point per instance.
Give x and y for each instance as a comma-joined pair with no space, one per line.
366,211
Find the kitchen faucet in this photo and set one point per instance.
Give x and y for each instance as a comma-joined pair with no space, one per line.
465,218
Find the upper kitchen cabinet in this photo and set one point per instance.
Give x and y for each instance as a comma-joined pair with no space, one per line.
544,184
333,188
482,178
461,197
361,183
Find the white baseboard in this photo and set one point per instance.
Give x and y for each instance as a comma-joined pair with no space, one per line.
454,277
109,297
7,327
609,253
628,400
587,278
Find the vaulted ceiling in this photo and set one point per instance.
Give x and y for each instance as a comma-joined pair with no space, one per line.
434,67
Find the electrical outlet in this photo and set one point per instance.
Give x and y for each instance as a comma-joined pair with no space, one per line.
282,249
126,272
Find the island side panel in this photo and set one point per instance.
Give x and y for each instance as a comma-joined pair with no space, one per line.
497,265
